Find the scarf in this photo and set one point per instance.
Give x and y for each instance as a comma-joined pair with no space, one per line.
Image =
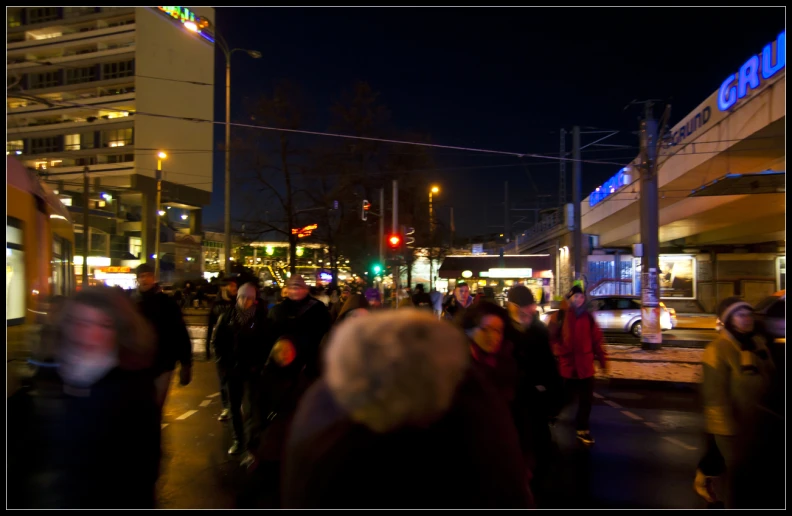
244,317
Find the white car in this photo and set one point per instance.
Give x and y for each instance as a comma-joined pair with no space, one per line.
621,313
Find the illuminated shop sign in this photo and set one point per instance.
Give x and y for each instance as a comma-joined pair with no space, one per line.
190,21
735,87
611,186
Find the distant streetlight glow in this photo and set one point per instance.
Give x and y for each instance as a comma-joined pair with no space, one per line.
191,26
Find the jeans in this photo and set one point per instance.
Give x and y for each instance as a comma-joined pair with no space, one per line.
244,389
222,375
583,389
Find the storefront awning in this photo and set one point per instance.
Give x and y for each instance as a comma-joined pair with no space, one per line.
455,267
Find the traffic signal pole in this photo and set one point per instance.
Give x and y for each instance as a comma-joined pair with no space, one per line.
395,228
381,236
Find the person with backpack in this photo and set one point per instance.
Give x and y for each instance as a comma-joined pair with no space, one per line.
577,342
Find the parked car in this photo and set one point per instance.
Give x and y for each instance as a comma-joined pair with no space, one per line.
622,313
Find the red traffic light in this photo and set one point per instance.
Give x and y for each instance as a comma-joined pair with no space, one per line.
394,241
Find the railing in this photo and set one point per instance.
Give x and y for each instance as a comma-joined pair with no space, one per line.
547,223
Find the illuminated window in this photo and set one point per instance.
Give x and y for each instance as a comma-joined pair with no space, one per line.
15,147
41,165
71,142
15,272
117,137
135,245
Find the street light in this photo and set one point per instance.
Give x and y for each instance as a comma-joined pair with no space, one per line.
432,191
255,54
160,156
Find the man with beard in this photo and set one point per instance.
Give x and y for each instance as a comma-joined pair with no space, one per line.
240,344
173,340
539,385
303,318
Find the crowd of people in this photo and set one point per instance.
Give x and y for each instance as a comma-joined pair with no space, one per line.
331,398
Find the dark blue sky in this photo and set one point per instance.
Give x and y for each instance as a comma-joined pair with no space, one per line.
500,79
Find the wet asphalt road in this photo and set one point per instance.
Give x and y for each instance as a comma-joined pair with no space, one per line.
648,444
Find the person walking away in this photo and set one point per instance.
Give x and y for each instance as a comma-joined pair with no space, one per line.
374,299
303,318
335,308
577,342
421,299
282,385
539,385
401,420
172,339
94,429
459,302
738,372
241,347
437,302
222,303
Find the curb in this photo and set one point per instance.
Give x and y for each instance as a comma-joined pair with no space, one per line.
627,384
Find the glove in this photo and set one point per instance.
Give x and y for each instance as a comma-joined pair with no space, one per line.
185,375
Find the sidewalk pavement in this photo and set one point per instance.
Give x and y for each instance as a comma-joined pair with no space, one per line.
677,365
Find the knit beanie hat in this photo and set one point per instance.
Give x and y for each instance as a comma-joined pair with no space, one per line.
730,305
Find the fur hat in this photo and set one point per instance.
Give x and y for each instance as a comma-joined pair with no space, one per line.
395,368
730,305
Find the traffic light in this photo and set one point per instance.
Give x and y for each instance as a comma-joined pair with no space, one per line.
365,210
394,241
376,268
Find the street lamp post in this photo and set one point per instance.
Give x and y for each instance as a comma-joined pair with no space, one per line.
160,156
223,45
432,191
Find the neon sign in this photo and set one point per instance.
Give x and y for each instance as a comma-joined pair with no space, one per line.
736,86
611,186
304,232
188,19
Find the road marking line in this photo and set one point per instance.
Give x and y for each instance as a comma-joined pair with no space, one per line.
652,425
206,403
214,395
679,443
187,414
599,396
613,404
163,425
630,414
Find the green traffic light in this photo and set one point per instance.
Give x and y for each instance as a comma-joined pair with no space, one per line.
377,269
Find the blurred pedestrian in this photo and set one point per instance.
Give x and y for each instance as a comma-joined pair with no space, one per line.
94,432
374,298
335,308
400,420
421,299
172,339
437,302
738,372
577,342
459,302
539,387
305,319
241,347
222,304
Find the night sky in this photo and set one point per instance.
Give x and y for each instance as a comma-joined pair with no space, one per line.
498,79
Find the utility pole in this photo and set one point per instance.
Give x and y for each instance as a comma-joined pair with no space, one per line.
86,227
576,194
157,219
562,172
506,227
382,238
651,336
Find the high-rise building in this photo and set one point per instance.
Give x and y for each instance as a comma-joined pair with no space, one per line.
102,91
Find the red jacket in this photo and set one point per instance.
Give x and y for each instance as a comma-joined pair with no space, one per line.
577,344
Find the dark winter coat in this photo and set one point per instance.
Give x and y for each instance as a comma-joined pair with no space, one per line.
354,302
453,309
219,306
307,322
173,340
242,349
539,384
470,458
280,390
577,341
98,448
422,300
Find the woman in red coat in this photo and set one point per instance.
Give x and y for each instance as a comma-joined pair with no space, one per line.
577,342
